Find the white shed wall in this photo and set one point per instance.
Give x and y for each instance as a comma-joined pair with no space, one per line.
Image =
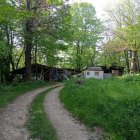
92,74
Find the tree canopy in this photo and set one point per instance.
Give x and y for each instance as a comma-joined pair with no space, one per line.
57,33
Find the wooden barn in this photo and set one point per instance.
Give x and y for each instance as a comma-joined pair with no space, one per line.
47,73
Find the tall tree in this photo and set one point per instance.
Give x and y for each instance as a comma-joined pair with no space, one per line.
8,16
29,25
86,32
124,17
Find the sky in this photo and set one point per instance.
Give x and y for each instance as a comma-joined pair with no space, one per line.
98,4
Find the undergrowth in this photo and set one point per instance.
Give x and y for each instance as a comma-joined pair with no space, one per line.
113,104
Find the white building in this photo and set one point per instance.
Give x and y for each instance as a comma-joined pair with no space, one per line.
102,72
94,72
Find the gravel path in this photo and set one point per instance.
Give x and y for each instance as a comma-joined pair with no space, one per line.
13,118
67,128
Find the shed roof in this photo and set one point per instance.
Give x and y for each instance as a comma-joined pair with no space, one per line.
104,68
39,67
94,68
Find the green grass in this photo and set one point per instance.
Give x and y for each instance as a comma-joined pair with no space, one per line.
9,93
112,104
38,123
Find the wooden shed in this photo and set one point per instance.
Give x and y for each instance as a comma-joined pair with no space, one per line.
43,72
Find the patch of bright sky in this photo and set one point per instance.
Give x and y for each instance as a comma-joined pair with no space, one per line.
99,5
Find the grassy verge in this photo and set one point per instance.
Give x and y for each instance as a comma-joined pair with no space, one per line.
9,93
38,124
112,104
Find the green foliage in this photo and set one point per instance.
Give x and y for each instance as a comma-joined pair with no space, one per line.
45,33
38,123
123,34
112,53
10,92
55,29
58,2
86,26
6,11
112,104
4,50
86,29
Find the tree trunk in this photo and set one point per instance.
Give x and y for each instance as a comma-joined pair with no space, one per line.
1,76
28,43
134,63
127,61
28,49
78,56
9,59
92,58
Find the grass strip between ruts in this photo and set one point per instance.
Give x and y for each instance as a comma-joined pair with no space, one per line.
38,123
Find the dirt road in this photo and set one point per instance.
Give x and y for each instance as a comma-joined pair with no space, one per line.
13,118
67,128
